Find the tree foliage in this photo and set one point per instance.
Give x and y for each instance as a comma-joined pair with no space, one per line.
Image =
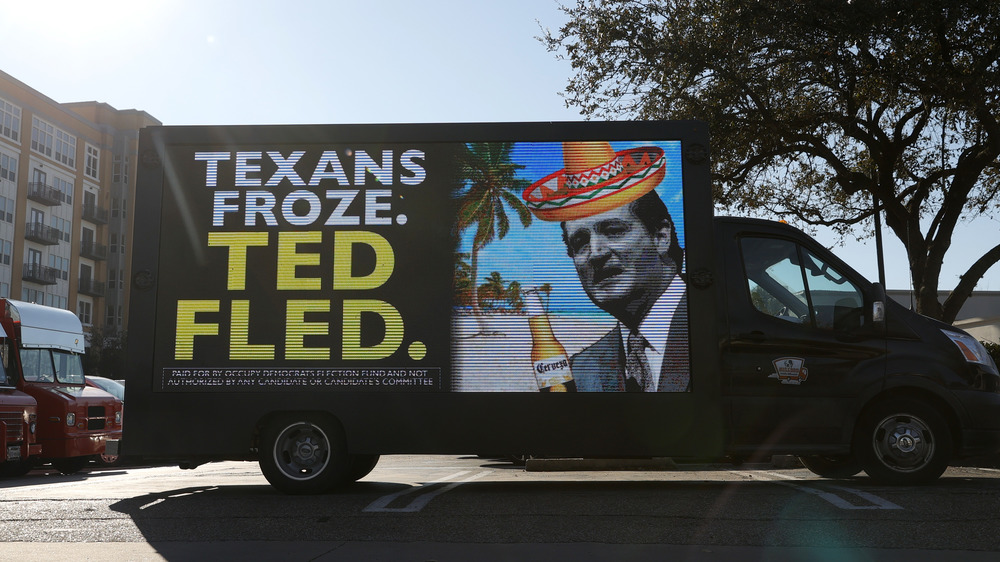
105,355
817,108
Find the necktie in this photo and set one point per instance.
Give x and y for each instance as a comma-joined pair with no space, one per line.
636,363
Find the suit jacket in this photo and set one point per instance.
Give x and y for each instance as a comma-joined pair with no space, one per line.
600,367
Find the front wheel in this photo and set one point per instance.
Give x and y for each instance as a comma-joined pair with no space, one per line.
304,455
827,466
903,441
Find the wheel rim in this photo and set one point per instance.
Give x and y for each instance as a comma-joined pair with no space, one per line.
904,442
302,451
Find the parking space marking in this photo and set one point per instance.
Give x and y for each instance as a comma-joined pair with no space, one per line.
424,494
874,502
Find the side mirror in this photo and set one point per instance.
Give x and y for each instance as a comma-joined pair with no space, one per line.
878,306
878,313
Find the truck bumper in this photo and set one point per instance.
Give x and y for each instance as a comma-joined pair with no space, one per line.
77,446
981,434
979,442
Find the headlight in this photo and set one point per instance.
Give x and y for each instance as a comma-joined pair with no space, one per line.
70,419
118,417
972,350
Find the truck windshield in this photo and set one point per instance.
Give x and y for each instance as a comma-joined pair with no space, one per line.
36,364
4,379
45,365
69,367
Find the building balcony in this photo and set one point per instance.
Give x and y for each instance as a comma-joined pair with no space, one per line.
41,274
44,194
41,233
93,250
95,214
91,287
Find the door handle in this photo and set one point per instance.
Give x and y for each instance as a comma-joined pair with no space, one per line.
755,336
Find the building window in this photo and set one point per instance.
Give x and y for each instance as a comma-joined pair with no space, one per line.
5,251
84,312
5,290
6,209
8,167
41,136
61,265
65,187
10,120
114,242
57,301
53,142
121,248
63,226
109,316
32,295
90,167
119,169
65,148
112,278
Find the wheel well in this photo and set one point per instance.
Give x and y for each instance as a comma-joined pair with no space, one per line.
271,417
933,400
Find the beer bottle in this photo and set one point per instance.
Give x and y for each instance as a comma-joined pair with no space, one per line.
552,371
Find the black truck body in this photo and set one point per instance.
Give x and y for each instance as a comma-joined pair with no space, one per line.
315,296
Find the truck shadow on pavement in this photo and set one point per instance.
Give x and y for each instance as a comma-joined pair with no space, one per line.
520,511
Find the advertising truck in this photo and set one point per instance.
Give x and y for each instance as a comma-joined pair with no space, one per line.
312,297
43,357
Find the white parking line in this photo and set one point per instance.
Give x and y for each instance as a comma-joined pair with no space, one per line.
424,494
874,502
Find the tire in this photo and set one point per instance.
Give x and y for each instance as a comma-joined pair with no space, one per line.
70,465
362,465
304,455
903,441
107,460
826,466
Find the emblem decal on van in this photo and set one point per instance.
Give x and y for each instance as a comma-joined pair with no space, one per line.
789,370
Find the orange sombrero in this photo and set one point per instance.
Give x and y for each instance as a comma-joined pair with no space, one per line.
596,179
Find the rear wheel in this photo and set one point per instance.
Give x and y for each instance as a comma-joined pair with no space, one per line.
903,441
828,466
107,460
304,455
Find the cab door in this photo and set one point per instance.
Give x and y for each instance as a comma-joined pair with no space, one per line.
800,348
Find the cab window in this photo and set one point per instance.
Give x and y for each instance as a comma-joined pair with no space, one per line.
790,283
69,367
36,365
5,379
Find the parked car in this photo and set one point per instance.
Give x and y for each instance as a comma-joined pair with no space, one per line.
112,387
116,389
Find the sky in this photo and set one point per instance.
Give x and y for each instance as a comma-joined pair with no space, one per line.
222,62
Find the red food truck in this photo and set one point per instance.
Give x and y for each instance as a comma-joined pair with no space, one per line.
43,360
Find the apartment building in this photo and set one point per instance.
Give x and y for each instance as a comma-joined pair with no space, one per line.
67,190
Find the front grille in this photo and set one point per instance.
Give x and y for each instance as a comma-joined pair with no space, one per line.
15,426
96,419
